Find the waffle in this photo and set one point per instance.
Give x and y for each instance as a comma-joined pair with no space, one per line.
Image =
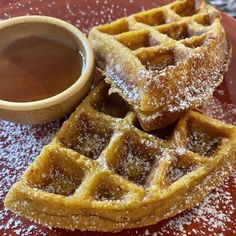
165,60
103,172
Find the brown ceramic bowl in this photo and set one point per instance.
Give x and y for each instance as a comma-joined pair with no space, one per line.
54,107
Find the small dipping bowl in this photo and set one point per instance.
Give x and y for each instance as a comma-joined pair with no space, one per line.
54,107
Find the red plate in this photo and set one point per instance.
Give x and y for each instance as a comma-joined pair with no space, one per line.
19,144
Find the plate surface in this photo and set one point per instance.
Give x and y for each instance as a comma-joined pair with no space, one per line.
20,144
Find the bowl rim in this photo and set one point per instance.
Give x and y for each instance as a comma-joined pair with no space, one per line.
87,68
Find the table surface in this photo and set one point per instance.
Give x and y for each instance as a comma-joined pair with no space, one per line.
20,144
228,6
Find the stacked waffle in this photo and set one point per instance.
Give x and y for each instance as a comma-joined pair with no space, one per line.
104,171
165,60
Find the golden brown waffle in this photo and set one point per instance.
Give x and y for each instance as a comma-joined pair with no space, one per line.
103,172
165,60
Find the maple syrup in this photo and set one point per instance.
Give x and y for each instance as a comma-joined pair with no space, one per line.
35,68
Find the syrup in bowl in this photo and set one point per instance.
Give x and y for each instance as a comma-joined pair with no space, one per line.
35,68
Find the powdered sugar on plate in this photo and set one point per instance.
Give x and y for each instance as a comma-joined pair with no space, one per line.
222,111
19,145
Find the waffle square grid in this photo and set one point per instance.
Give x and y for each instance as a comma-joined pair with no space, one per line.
163,61
102,171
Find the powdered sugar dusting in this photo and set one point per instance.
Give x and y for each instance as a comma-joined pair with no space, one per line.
220,110
83,14
20,144
212,218
17,225
184,77
133,163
